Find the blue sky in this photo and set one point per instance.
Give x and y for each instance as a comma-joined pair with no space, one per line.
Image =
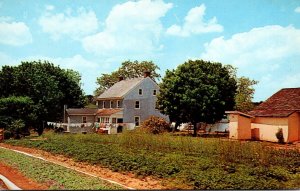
260,37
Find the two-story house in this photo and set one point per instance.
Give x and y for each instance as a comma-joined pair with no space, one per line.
127,103
134,99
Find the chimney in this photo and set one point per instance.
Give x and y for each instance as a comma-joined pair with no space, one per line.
121,78
147,74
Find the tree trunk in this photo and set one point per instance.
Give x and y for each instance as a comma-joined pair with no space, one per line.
195,129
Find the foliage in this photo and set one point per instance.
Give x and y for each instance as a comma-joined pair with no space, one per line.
48,86
245,91
17,114
128,69
197,91
244,95
279,136
16,127
181,162
54,176
156,125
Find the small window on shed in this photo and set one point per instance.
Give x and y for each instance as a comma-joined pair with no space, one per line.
140,92
137,104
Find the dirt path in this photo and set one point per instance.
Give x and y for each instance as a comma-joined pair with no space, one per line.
19,179
127,179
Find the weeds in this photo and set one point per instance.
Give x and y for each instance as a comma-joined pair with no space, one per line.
182,162
54,176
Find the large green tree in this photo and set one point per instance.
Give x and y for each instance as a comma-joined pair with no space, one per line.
245,90
128,69
244,94
197,91
48,86
15,110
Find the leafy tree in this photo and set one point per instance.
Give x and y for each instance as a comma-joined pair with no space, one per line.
17,114
197,91
245,91
48,86
244,94
129,69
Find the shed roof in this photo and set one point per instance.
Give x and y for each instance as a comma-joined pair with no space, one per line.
119,89
81,111
281,104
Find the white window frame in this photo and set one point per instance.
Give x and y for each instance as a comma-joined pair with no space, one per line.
139,120
111,103
118,104
84,120
106,119
140,91
155,92
135,104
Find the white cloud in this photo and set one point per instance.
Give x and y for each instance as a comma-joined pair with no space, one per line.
268,54
194,23
14,33
297,10
49,7
76,26
131,27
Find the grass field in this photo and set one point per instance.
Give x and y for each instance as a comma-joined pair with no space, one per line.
55,176
181,162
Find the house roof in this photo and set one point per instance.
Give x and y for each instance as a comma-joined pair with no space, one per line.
107,112
239,113
81,111
119,89
281,104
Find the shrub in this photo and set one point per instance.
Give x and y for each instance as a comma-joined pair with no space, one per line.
279,136
156,125
7,134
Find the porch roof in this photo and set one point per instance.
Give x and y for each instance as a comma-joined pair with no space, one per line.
108,112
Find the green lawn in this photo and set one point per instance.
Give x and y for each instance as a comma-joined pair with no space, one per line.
182,162
54,176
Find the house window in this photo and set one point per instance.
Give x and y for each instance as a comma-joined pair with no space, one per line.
103,104
83,119
111,104
114,120
98,120
154,92
118,103
140,92
137,104
106,119
137,120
